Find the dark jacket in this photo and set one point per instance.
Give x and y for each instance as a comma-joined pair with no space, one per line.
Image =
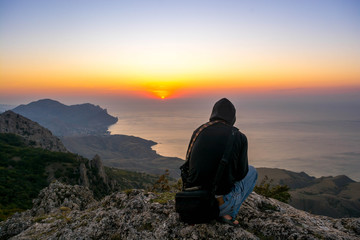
209,147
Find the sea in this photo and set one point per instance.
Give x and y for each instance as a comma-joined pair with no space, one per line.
318,135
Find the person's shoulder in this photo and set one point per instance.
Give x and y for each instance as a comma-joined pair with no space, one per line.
201,128
240,134
204,125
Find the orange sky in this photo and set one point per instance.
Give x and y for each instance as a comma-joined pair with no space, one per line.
154,51
139,80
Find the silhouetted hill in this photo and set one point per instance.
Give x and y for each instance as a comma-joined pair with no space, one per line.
63,120
126,152
337,196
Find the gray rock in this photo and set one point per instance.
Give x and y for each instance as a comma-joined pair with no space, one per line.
136,214
34,134
96,163
83,176
56,195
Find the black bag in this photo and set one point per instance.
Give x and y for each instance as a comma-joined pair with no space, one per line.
196,205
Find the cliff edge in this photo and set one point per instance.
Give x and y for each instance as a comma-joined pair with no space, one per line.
34,134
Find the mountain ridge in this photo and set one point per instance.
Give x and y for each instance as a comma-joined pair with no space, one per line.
64,120
337,196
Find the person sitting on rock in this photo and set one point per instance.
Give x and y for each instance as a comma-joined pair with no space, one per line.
238,179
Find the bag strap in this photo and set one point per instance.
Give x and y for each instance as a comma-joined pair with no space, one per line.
197,134
225,159
185,167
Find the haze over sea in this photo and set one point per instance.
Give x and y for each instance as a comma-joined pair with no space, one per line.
315,134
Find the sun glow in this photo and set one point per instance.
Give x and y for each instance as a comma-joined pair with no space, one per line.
161,88
161,93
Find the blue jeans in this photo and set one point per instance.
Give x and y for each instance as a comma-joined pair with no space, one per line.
240,191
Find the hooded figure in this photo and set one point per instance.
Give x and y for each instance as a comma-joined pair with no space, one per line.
224,110
204,155
209,147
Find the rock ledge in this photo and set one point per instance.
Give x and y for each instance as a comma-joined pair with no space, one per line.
70,212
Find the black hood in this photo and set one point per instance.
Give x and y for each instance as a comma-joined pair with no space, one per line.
224,110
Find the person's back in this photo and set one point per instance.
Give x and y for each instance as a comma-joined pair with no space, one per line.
205,153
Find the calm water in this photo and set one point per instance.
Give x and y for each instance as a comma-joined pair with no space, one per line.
319,137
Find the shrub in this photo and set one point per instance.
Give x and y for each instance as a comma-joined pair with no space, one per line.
279,192
162,184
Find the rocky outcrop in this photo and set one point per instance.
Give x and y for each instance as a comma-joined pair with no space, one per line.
93,173
34,134
84,179
59,195
69,212
96,164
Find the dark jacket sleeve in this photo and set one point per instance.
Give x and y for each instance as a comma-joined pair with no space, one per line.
240,167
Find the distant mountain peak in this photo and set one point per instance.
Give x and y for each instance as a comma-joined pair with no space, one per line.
342,180
47,100
44,102
64,120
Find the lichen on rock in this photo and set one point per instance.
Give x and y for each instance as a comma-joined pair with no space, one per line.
58,195
135,215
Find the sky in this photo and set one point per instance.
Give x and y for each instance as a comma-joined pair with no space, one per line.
176,49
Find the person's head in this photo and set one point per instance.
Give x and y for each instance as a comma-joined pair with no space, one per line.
224,110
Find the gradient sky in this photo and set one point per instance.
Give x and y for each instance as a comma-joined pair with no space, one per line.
176,48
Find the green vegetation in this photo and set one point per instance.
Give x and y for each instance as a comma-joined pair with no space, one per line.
165,188
279,192
164,197
24,171
130,180
162,184
267,207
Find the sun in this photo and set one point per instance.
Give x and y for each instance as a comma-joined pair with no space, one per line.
162,89
162,94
